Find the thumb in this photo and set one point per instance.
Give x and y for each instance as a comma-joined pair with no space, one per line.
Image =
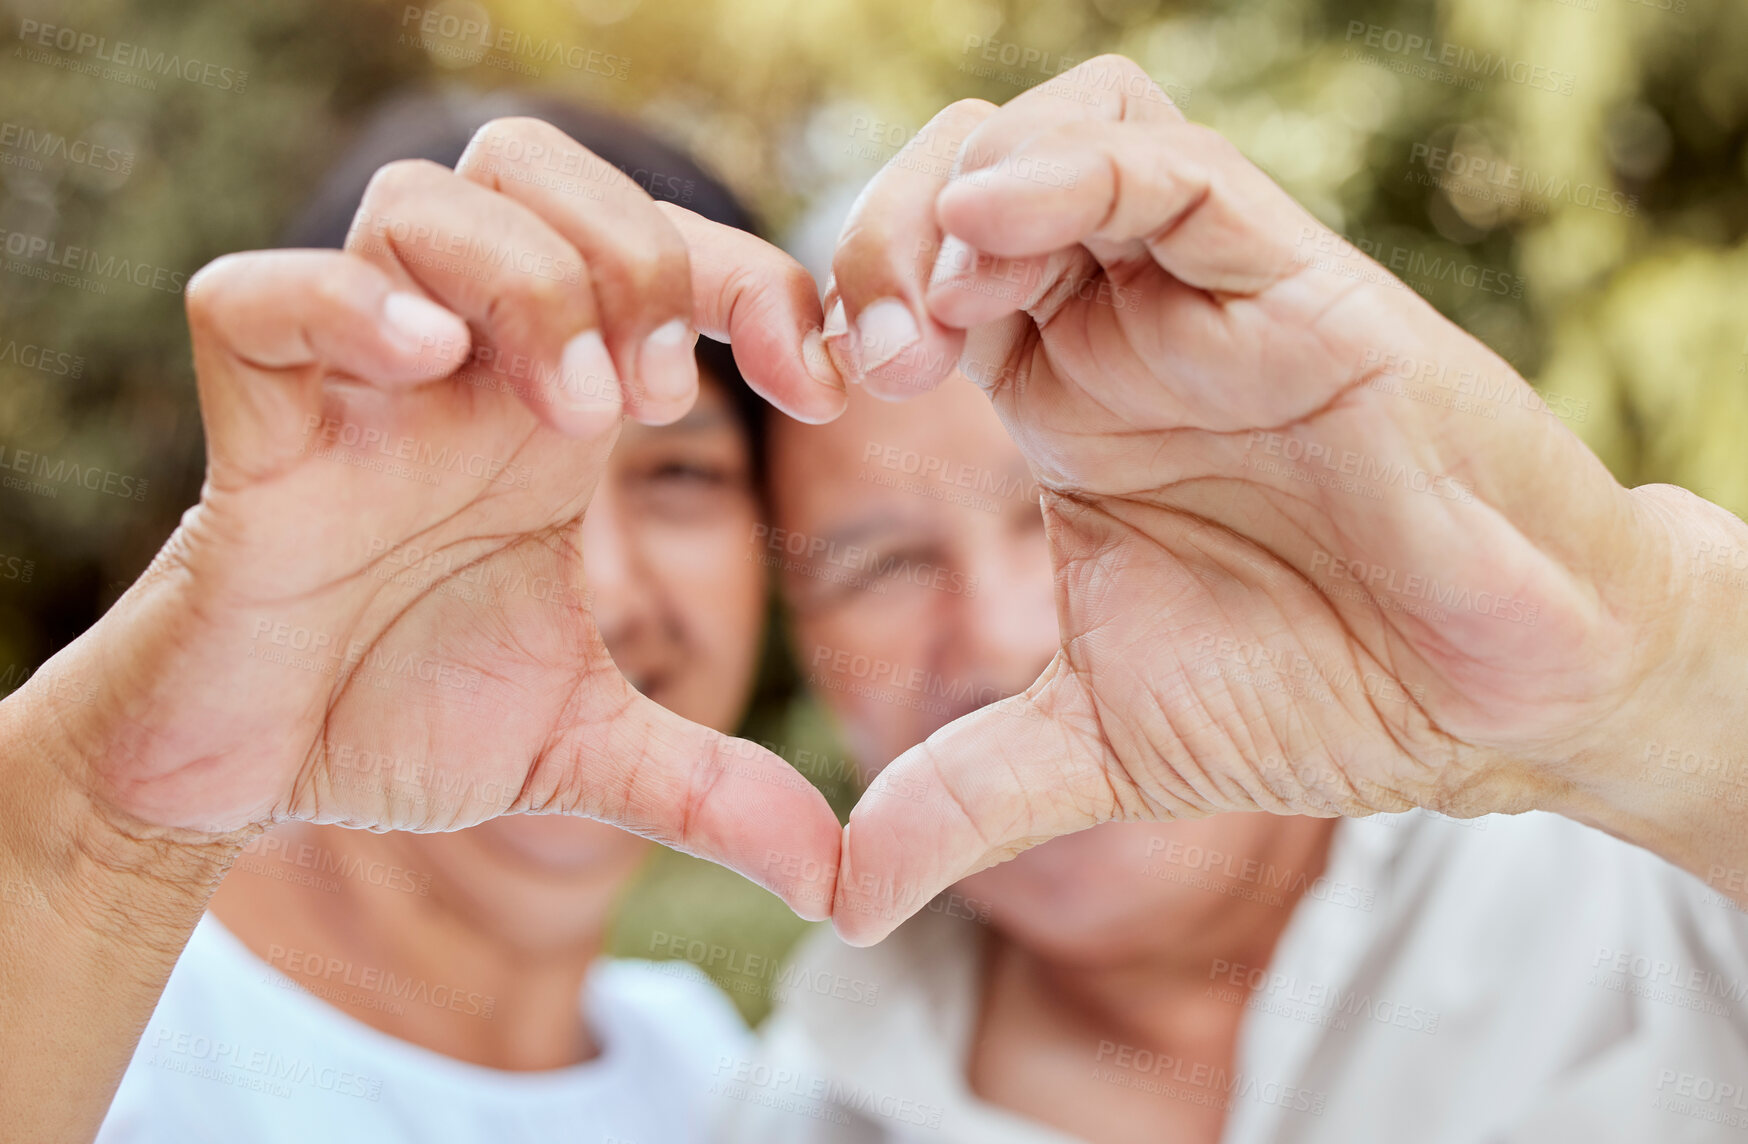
635,764
979,791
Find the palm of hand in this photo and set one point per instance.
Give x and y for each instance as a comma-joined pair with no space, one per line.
348,566
1246,629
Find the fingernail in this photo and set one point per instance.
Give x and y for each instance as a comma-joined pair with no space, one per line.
819,362
885,329
840,346
668,364
957,260
587,380
422,326
836,325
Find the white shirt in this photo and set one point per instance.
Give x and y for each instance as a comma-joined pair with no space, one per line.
239,1053
1514,980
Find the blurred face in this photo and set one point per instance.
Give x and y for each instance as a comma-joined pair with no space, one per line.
1128,891
668,543
914,564
917,572
680,600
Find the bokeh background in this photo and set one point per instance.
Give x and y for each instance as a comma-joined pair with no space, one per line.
1592,155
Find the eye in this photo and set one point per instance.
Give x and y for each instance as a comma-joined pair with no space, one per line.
902,563
687,485
881,574
690,473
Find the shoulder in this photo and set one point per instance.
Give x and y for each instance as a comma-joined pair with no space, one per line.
1535,881
1519,855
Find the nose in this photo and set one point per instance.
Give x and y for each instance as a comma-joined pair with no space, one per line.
621,590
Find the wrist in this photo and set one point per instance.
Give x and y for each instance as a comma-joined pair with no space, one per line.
66,846
1669,771
94,911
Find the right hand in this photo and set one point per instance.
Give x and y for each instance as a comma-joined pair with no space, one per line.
1471,616
277,661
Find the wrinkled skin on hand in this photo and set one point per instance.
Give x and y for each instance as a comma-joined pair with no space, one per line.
377,613
1283,582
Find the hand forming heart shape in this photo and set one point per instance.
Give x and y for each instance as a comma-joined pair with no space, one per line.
274,664
1285,580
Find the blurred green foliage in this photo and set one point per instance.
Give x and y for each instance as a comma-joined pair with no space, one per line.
1591,156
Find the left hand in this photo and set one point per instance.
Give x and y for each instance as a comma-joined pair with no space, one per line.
1285,580
277,663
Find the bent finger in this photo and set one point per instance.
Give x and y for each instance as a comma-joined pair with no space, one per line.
519,283
1177,193
766,306
268,326
635,259
884,258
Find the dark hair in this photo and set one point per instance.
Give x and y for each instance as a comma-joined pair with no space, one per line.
437,125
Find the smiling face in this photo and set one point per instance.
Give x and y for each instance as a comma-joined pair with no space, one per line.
914,564
668,544
918,575
679,596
